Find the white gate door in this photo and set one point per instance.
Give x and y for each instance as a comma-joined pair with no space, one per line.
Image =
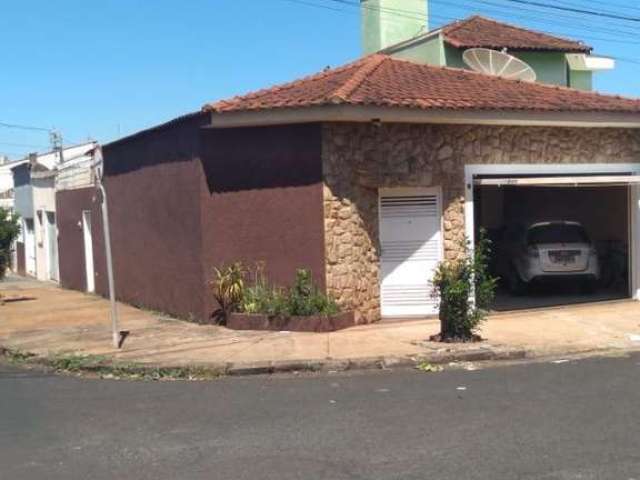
52,246
30,247
410,237
88,250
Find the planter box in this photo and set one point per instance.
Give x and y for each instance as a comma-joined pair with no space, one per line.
312,323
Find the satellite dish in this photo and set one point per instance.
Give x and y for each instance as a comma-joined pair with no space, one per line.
499,64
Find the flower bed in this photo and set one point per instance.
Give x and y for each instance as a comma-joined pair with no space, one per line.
310,323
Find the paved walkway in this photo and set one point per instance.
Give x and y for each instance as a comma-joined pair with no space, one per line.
49,320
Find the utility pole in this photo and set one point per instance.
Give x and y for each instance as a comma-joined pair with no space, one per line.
99,169
56,143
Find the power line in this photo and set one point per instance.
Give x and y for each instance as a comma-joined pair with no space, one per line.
570,21
393,11
537,17
600,2
561,18
577,10
26,145
545,21
14,153
309,4
24,127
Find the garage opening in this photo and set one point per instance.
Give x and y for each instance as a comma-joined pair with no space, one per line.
556,240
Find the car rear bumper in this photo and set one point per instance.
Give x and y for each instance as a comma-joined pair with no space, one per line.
535,271
564,278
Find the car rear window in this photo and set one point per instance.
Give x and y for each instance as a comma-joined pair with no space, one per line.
557,233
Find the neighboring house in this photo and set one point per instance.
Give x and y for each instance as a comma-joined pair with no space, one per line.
35,187
7,194
6,182
368,174
79,224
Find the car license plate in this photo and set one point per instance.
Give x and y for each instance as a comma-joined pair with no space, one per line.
564,258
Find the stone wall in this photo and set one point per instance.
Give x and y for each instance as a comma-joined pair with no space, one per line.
358,159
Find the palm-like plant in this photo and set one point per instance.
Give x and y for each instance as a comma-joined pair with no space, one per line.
228,289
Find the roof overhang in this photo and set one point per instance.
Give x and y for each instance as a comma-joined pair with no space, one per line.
417,40
43,174
360,113
16,164
517,48
586,63
573,181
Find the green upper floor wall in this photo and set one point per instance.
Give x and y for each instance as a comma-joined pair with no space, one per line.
550,67
428,49
407,37
582,80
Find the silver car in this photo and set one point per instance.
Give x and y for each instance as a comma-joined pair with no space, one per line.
550,250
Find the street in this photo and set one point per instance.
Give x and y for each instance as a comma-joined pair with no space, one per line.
577,419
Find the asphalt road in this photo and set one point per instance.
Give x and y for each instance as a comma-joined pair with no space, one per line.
576,420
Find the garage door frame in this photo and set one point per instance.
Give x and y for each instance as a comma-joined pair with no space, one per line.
577,169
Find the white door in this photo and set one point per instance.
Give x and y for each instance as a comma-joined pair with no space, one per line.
410,238
88,250
52,246
30,246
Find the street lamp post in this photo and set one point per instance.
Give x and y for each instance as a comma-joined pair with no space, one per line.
98,164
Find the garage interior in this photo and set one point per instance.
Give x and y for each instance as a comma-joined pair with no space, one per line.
603,211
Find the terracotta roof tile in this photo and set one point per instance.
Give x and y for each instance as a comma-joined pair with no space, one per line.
380,80
478,31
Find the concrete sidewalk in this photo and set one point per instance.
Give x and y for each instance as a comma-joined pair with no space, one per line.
49,320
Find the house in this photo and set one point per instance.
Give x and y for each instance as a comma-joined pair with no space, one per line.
368,174
7,193
34,182
556,61
6,182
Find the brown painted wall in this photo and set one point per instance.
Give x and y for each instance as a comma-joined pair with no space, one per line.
69,207
184,199
263,200
154,180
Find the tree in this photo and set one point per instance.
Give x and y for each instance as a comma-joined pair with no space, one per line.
9,231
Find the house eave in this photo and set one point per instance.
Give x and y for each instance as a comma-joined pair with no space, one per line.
358,113
418,39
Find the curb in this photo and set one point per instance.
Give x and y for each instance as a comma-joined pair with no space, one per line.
371,363
328,365
323,365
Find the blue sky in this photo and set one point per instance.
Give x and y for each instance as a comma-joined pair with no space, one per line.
109,68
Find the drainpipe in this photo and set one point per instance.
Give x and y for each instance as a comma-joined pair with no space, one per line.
98,164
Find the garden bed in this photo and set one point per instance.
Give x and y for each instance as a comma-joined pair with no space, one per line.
311,323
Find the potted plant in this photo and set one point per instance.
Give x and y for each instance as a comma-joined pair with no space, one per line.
262,306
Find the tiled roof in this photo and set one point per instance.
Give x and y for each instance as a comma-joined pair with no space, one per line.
477,31
380,80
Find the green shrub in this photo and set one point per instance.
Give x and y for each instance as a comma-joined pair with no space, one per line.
302,299
262,297
455,283
9,231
